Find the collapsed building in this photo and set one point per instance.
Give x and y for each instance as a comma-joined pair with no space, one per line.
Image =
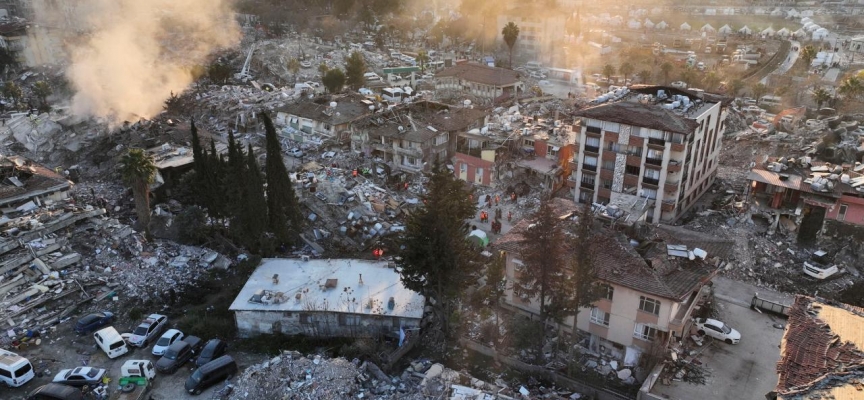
323,119
649,152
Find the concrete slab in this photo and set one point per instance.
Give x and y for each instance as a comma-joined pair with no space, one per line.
743,371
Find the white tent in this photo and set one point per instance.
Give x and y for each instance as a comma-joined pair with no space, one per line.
684,27
820,34
812,28
725,30
661,25
777,12
745,30
793,13
648,24
800,34
769,31
634,24
707,28
806,20
784,33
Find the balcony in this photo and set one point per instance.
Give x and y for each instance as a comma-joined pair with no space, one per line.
589,167
650,181
382,147
654,161
592,149
587,185
593,130
679,147
634,161
668,205
685,310
655,143
670,187
607,173
411,151
673,166
471,151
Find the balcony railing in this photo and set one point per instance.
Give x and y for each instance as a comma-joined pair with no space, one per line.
587,185
654,161
592,149
593,129
411,151
656,142
589,167
650,181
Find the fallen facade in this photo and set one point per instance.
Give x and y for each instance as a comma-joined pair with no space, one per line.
651,289
821,352
326,298
652,146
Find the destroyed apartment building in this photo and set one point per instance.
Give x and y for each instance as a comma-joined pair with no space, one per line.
26,185
822,352
649,151
651,288
326,298
802,194
479,80
324,119
410,138
172,162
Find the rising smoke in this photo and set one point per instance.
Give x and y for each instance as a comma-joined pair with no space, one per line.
134,53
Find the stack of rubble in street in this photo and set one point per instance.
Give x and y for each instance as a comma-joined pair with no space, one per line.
292,375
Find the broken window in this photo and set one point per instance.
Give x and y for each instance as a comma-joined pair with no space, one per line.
644,332
649,305
599,317
607,291
841,216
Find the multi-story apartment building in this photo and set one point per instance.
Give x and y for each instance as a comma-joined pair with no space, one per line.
540,30
650,290
652,146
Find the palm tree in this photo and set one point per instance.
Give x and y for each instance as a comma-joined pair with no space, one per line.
759,90
852,87
645,75
608,71
808,53
666,69
711,80
510,34
625,70
422,59
820,96
138,171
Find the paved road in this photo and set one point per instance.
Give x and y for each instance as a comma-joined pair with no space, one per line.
740,293
787,64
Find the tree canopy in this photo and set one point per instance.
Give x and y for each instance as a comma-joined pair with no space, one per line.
355,67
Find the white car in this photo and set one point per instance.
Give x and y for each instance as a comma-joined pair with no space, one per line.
295,152
717,330
168,338
147,330
81,376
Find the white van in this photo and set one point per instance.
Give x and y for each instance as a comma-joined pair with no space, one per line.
533,65
110,341
771,101
14,369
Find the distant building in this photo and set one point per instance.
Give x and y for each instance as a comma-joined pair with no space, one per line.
479,80
822,352
24,181
540,30
325,119
651,290
326,298
650,150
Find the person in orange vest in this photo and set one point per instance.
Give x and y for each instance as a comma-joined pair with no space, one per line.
354,173
497,199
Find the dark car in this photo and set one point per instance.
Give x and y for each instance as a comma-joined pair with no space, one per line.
92,322
178,354
214,349
56,391
210,374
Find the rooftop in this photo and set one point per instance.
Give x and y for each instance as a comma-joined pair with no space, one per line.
821,351
424,120
22,179
483,74
349,107
333,285
169,156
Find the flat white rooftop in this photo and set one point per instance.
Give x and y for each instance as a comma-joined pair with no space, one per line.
328,285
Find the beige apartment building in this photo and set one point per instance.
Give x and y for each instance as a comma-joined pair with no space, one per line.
648,152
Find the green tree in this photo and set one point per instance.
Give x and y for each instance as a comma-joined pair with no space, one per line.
322,69
437,259
254,210
495,287
851,88
42,90
139,171
355,67
544,266
510,32
820,96
12,91
645,75
582,277
293,67
219,73
626,70
759,90
282,204
333,80
711,81
422,59
807,54
688,76
608,71
666,69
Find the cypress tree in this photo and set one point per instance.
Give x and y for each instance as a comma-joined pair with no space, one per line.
282,203
254,211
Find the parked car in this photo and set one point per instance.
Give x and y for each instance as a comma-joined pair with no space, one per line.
148,330
81,376
210,374
295,152
717,330
305,64
168,338
214,349
92,322
178,354
56,391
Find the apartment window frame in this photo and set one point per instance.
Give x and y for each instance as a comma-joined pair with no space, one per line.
463,168
606,183
841,213
649,305
645,332
528,143
628,170
607,291
550,150
599,317
609,165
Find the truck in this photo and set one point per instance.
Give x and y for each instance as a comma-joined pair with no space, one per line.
135,380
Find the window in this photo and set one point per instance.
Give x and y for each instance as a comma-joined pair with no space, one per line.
631,170
649,193
592,142
607,291
634,151
552,150
644,332
611,127
441,139
304,318
5,373
599,317
326,127
649,305
528,143
652,173
478,175
606,183
463,168
610,165
591,160
841,216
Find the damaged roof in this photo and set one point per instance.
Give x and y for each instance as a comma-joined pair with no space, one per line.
482,74
349,107
638,114
23,179
714,246
821,351
424,120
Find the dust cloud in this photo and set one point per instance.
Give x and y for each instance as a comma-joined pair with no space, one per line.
131,54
